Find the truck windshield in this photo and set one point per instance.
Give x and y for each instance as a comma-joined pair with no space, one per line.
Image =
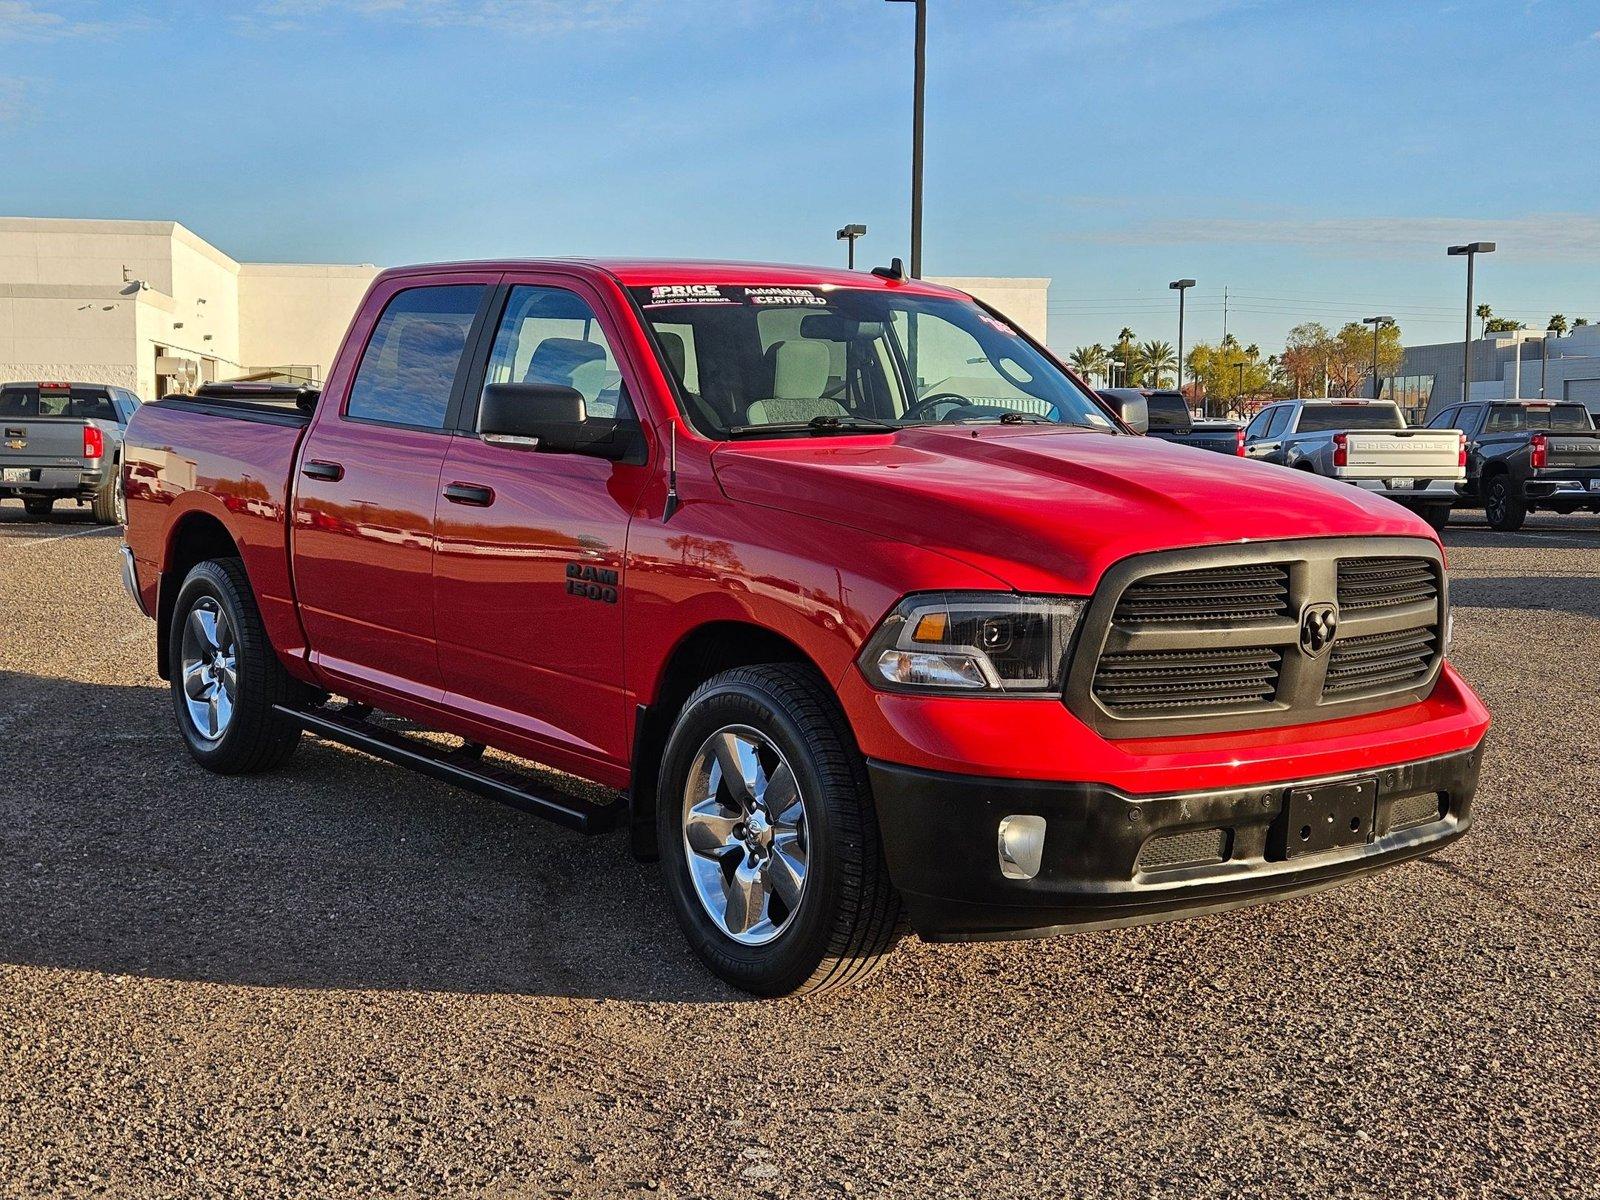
1320,418
758,360
1552,418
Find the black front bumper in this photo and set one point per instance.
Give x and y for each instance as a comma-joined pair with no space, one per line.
1107,858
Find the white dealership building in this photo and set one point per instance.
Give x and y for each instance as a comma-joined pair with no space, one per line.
151,306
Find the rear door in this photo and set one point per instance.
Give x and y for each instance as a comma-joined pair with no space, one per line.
528,575
363,534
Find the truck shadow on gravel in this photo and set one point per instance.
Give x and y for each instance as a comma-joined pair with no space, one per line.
1578,594
118,854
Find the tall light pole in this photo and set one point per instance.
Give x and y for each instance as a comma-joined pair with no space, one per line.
1239,396
1471,250
849,234
1180,286
1377,323
919,80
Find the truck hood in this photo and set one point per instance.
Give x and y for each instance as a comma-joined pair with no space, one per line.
1047,509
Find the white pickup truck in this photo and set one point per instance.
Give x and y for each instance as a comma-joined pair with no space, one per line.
1367,443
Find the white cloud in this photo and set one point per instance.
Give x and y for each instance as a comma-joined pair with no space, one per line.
1534,237
31,21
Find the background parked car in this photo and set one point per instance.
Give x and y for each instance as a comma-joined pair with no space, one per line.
63,441
1364,442
1171,421
1524,455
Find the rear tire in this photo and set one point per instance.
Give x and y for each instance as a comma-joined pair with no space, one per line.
791,816
38,506
1436,515
217,639
1502,506
104,506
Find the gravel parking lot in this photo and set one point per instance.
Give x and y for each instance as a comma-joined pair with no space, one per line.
343,980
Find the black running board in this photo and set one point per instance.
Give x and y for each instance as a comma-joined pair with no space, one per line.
463,770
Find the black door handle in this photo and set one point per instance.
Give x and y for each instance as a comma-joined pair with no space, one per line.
469,493
330,471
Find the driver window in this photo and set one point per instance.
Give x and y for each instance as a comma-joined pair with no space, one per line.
1445,420
943,357
1258,427
549,335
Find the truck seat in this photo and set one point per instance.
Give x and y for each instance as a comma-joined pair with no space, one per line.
799,377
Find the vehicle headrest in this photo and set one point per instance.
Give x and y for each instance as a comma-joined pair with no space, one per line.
799,369
672,347
556,358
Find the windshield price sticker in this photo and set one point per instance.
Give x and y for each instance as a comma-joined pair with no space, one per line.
716,293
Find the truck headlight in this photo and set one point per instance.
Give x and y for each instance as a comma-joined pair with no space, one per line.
1000,643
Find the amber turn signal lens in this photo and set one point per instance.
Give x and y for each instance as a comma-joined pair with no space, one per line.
931,627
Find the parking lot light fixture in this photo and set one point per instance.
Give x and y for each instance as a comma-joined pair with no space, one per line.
1180,286
1471,250
1377,324
849,234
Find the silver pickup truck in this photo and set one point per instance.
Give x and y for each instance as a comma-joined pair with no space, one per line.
63,441
1366,443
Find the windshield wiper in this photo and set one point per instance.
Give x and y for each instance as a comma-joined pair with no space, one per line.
824,424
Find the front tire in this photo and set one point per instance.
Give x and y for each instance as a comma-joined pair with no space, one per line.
1502,506
1436,515
225,675
768,837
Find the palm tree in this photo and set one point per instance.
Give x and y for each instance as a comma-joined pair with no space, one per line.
1089,361
1483,312
1155,360
1558,325
1579,322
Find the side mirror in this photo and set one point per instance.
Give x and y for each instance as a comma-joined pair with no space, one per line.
1135,413
549,418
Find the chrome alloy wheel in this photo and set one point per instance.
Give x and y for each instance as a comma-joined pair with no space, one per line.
209,656
744,834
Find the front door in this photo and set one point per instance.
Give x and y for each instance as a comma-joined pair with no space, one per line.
367,485
528,575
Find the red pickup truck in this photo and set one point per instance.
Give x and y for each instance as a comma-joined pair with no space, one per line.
855,599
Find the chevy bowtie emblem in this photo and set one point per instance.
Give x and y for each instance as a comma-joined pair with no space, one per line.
1318,625
17,444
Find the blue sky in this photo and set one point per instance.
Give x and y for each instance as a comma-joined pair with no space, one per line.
1313,157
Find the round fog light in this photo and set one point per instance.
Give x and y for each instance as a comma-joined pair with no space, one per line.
1021,846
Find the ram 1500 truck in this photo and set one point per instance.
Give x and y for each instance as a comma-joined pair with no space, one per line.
1170,420
859,601
63,441
1367,443
1524,455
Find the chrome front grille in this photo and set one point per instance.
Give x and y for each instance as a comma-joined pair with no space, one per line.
1278,633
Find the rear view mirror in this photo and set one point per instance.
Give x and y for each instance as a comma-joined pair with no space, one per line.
550,418
1133,410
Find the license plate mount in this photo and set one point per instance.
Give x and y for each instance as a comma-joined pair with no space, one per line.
1326,817
1402,485
1594,485
16,475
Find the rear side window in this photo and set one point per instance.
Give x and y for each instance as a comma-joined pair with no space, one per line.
410,363
1167,411
1553,418
1320,418
32,401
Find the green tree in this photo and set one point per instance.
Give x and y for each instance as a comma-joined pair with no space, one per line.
1126,352
1558,325
1156,359
1089,361
1350,357
1304,361
1222,382
1483,312
1579,322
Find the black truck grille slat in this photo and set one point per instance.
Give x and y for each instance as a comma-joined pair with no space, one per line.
1390,661
1218,595
1378,583
1185,680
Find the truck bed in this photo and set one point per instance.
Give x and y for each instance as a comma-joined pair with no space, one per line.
1402,454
